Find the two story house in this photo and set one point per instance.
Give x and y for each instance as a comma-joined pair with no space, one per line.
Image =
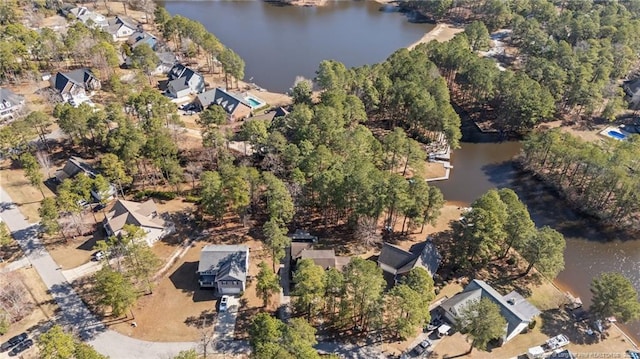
75,85
224,268
184,81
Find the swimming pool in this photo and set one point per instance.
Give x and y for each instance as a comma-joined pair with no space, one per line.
254,102
617,135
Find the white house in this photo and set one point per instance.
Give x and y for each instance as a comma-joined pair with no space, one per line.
89,18
11,105
121,28
141,214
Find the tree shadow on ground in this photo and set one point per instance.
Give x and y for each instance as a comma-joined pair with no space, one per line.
243,322
555,321
204,320
90,243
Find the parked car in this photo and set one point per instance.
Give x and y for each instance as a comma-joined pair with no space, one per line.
224,303
418,350
13,341
99,207
97,256
22,346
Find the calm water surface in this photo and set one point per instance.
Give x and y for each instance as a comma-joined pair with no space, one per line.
590,251
278,43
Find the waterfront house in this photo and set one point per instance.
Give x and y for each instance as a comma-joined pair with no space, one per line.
11,105
224,268
234,105
516,310
184,81
74,85
396,262
121,27
142,214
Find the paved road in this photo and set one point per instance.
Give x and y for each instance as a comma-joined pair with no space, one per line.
75,314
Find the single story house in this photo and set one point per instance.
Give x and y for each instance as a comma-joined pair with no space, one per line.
396,261
325,258
182,78
224,268
142,214
234,105
142,37
74,84
516,310
121,27
88,17
11,105
73,167
76,166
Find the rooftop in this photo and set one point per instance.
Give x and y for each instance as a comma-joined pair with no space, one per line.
225,261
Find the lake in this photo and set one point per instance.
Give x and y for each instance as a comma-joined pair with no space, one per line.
279,43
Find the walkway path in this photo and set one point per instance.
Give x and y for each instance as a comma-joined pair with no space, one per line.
75,314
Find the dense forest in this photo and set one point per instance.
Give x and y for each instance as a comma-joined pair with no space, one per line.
562,57
601,181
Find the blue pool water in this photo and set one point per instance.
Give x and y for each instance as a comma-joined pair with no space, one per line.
253,102
616,134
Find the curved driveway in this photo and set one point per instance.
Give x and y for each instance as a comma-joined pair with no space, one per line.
75,314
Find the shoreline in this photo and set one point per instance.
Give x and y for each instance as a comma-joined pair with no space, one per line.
442,32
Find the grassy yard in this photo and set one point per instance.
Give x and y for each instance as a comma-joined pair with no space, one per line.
23,194
43,311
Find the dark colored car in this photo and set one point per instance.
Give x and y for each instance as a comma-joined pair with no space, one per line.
13,341
22,346
418,350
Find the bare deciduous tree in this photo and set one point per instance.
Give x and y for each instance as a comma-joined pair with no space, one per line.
15,300
45,161
366,231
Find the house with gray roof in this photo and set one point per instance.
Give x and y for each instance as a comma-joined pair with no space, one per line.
395,261
121,27
76,166
224,268
234,105
632,91
11,105
74,85
182,78
142,37
142,214
325,258
516,310
88,17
